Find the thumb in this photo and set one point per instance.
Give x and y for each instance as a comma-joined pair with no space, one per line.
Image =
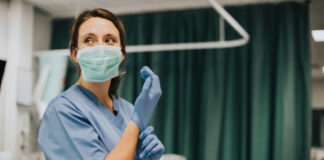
147,84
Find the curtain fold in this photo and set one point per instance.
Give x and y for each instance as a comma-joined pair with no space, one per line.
245,103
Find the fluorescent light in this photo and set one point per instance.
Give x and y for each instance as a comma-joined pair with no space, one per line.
318,35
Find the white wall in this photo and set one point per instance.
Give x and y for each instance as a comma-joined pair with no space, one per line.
3,55
42,39
42,30
18,71
23,30
25,70
318,94
3,29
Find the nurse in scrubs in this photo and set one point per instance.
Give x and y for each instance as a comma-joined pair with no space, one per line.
89,121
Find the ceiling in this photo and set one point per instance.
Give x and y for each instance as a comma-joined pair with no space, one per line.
316,16
69,8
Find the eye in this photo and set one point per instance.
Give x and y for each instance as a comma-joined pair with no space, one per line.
110,40
88,40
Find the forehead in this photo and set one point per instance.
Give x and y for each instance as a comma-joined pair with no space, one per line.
98,26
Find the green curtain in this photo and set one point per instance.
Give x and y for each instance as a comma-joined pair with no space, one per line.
244,103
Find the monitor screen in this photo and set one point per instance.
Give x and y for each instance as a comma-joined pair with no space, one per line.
2,69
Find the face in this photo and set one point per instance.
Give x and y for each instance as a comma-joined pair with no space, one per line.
97,31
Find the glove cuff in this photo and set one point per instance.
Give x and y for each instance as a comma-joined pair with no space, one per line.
135,118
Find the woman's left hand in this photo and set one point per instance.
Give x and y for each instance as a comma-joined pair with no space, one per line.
151,145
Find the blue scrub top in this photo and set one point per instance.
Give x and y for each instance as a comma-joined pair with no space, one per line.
76,125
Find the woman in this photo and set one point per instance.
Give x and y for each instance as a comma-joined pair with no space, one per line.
89,120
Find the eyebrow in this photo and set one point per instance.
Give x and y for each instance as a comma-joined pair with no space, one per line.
92,34
88,34
107,35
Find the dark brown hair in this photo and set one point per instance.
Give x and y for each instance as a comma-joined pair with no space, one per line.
102,13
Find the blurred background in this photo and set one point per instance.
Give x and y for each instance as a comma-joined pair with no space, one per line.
260,101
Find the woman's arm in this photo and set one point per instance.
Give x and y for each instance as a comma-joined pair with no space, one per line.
126,147
143,109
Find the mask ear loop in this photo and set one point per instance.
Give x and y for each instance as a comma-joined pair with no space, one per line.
122,71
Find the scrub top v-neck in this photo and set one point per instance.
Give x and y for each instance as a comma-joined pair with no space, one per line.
77,125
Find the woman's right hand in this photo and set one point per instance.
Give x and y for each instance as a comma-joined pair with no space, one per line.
150,145
147,100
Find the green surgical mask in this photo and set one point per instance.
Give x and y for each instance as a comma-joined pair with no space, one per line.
99,63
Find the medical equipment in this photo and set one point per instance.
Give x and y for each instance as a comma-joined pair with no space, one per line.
2,68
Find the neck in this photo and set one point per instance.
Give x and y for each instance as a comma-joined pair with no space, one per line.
100,90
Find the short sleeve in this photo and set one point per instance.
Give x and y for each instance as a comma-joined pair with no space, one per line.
65,133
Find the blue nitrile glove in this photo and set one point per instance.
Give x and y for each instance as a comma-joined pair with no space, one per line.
151,146
147,100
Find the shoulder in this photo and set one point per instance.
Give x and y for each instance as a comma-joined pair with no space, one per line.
62,105
68,98
60,115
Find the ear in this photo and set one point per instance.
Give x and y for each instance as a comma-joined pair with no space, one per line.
123,57
74,55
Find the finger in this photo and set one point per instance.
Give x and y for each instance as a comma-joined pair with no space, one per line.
159,149
156,150
143,73
146,71
147,84
156,82
148,148
147,140
143,68
144,76
156,87
148,130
